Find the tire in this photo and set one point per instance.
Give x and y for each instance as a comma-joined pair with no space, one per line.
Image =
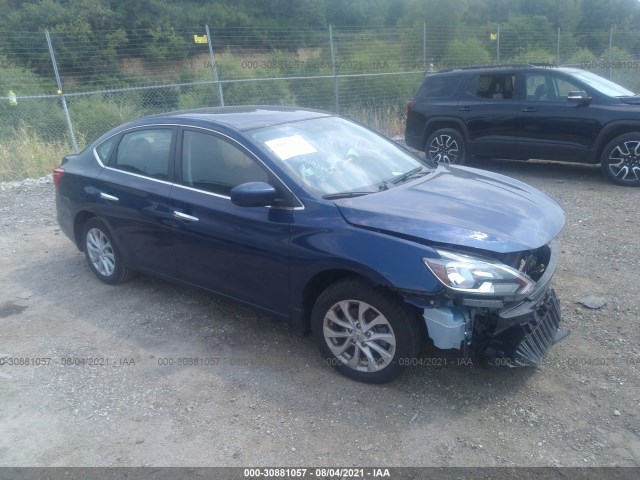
102,254
337,323
445,146
620,160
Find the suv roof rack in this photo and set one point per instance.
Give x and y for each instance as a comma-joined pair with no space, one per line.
498,65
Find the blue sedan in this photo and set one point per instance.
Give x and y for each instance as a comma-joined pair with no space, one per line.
322,222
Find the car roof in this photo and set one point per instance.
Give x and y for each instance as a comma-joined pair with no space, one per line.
240,118
497,67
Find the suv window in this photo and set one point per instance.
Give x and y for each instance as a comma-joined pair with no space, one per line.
145,152
494,86
215,165
546,87
435,86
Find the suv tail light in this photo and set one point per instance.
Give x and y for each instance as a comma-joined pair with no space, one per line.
410,107
58,173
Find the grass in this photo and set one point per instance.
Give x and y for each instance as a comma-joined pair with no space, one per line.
388,119
23,154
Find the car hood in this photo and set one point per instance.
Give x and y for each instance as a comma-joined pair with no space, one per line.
461,206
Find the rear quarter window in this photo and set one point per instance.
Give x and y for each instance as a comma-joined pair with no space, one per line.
438,86
105,148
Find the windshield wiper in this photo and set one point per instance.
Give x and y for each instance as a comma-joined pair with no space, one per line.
336,196
416,172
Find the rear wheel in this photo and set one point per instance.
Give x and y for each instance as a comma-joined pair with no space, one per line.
365,333
445,146
102,255
620,160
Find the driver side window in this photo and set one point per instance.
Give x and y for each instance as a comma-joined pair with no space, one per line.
215,165
549,88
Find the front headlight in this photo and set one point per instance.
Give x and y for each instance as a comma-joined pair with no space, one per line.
464,273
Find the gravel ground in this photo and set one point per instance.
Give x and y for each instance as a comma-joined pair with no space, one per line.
268,399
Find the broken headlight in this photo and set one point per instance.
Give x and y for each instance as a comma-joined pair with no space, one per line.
481,276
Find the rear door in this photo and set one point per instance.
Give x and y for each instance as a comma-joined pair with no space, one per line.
490,114
133,197
240,252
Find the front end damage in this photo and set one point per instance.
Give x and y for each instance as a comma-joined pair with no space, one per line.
510,329
529,336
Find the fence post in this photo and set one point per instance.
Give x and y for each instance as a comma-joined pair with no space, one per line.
424,45
610,46
216,77
558,51
334,72
498,45
72,136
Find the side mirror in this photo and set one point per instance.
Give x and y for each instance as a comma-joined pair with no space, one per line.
579,97
253,194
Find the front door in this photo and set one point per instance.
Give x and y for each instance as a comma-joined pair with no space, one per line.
549,126
240,252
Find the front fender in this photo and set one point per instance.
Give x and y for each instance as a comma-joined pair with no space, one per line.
335,245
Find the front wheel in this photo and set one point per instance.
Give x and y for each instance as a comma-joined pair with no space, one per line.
365,333
102,254
620,160
445,146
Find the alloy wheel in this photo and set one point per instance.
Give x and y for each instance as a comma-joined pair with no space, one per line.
624,161
101,254
359,336
444,149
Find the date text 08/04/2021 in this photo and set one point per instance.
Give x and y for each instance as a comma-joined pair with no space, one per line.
324,472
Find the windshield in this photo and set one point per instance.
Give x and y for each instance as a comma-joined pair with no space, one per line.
602,84
331,155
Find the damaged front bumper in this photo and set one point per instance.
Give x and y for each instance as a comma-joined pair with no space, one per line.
535,328
509,332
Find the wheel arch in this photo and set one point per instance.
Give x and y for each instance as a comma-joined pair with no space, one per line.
78,224
609,133
318,283
438,123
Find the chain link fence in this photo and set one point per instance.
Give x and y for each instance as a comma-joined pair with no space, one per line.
65,89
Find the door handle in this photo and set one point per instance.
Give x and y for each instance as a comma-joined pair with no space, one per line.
529,109
106,196
184,216
464,109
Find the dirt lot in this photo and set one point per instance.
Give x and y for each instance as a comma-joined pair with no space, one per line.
269,399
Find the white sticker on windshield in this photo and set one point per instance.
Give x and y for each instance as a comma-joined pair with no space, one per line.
289,147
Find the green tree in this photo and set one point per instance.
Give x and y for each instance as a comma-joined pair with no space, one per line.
467,51
523,33
440,19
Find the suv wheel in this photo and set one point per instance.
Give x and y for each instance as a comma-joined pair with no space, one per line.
445,146
620,160
365,333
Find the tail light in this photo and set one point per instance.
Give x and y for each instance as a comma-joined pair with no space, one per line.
410,107
58,173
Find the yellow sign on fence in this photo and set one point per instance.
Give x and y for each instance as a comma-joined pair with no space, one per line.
200,38
492,36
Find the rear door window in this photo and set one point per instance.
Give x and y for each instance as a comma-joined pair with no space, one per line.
495,86
145,152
